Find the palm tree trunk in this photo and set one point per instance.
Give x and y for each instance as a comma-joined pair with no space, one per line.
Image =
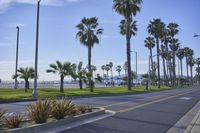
158,52
164,71
187,68
128,45
151,62
170,71
191,73
89,66
174,69
61,84
26,85
181,61
80,84
112,77
181,68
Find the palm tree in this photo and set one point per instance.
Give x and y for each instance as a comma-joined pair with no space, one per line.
80,74
180,55
128,9
111,66
198,71
164,56
107,68
150,44
191,63
188,53
26,74
63,70
103,68
198,66
174,46
119,69
156,28
165,41
88,33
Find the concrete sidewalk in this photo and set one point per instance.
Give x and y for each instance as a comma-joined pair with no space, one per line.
194,127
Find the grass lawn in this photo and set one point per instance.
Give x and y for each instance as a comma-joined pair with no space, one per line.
16,94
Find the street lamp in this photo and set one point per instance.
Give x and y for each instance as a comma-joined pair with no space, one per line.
16,65
135,64
35,93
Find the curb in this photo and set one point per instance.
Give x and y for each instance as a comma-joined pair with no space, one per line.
60,125
194,124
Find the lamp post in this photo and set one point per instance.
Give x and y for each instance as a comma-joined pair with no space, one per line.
135,64
16,65
35,93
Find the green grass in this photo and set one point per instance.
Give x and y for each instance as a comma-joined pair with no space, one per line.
17,94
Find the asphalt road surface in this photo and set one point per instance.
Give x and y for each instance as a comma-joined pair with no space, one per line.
154,112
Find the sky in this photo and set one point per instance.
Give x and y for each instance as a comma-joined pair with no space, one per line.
57,34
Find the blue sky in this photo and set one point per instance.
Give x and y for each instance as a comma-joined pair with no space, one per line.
58,19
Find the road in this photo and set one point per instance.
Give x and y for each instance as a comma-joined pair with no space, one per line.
152,112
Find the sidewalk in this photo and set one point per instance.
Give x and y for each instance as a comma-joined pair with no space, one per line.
194,127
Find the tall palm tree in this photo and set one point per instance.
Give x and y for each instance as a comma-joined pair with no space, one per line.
198,72
198,66
188,53
88,34
174,46
119,69
26,74
107,68
111,66
165,41
156,28
63,69
150,44
164,56
103,68
128,9
191,63
180,55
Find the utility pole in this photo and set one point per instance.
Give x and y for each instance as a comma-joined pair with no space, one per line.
35,93
16,65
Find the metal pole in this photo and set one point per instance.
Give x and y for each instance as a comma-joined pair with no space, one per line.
16,66
35,93
136,68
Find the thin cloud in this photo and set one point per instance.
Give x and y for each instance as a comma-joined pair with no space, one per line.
5,4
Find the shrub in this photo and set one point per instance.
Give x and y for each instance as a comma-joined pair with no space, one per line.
39,112
61,108
74,111
2,112
84,108
13,121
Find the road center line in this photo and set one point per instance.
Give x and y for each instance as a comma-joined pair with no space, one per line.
121,103
149,103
